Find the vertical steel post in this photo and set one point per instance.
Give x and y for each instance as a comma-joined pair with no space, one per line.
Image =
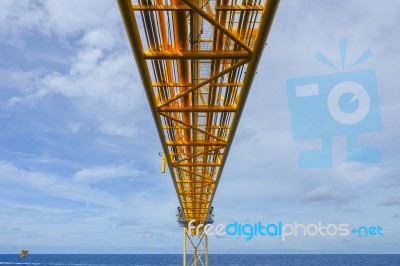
206,249
184,246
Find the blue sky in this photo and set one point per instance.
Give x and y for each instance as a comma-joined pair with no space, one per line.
79,164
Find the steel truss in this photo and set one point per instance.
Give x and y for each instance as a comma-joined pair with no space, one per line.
197,65
195,249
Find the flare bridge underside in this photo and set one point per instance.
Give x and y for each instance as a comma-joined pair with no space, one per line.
197,60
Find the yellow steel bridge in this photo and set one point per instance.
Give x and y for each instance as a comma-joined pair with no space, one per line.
197,60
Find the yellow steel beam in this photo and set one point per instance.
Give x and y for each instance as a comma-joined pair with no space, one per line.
205,109
239,8
160,7
198,164
198,201
179,55
195,143
227,84
186,8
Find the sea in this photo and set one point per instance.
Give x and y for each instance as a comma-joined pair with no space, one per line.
214,259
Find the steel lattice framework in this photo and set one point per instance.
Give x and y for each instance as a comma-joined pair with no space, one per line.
197,60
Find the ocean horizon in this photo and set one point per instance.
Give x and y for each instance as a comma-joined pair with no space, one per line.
214,259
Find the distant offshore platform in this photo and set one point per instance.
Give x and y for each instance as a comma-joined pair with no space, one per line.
23,253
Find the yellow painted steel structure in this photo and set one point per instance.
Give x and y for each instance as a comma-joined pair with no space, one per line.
197,60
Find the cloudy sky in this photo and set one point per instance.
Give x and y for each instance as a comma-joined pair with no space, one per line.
79,164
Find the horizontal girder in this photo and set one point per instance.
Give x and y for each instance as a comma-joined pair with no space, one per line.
178,55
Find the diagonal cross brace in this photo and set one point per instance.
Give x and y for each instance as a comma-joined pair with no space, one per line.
201,84
192,127
215,23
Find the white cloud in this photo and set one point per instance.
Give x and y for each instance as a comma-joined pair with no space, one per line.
132,222
23,82
391,201
100,84
101,38
18,18
73,16
92,75
87,62
356,173
47,17
9,173
100,80
54,186
75,127
121,129
323,194
98,174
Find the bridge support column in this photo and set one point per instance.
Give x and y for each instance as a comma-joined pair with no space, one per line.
195,249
